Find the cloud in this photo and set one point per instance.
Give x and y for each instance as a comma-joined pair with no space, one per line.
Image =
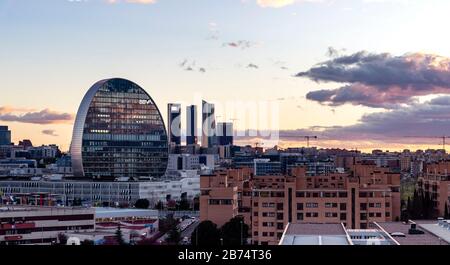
214,32
49,132
45,116
191,65
132,1
242,44
379,80
429,120
274,3
251,65
283,3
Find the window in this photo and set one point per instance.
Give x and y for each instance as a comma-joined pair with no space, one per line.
343,194
343,216
299,206
279,206
300,194
300,216
343,206
312,205
363,206
280,216
330,215
280,226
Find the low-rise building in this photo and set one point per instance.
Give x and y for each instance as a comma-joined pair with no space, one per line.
41,225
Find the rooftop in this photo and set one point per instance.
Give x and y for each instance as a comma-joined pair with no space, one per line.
413,239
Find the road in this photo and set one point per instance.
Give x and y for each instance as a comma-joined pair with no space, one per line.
188,231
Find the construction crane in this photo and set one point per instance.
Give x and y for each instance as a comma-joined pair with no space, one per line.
444,138
307,137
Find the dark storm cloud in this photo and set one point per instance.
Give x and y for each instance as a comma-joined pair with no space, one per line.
45,116
379,80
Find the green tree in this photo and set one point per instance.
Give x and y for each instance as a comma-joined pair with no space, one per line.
206,234
183,204
62,239
235,232
196,203
173,236
119,236
142,204
159,206
446,212
168,223
87,242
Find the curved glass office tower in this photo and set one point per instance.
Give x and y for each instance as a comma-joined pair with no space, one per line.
118,132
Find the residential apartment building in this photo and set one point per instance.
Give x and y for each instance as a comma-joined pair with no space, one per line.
435,182
364,194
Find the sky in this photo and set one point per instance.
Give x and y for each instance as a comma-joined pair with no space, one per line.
358,73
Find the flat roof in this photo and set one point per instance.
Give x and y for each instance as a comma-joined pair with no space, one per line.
107,212
421,239
315,234
315,229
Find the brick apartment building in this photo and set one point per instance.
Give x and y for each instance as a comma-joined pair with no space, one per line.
364,194
436,182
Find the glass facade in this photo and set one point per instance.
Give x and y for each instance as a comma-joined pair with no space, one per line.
119,132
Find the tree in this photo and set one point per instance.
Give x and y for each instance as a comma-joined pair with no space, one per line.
167,223
174,236
142,204
62,239
196,203
159,206
235,232
206,234
119,236
87,242
446,212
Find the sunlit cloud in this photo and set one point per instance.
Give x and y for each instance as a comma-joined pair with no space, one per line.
45,116
379,80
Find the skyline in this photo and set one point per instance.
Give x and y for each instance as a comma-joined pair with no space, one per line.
392,80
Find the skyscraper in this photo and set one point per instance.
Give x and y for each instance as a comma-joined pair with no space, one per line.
5,135
191,125
118,132
208,124
225,133
174,124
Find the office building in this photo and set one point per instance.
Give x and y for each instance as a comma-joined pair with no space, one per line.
208,125
191,125
118,132
174,124
225,133
5,135
264,167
